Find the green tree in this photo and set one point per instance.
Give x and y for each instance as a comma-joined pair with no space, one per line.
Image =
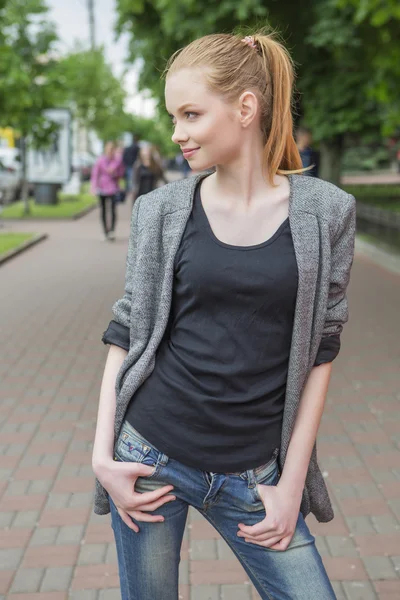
95,95
27,76
334,46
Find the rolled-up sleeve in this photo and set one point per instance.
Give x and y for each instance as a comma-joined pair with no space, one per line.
116,334
118,330
341,261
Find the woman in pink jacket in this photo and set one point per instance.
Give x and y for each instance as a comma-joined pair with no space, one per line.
106,173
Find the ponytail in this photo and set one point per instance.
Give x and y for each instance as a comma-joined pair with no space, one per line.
280,151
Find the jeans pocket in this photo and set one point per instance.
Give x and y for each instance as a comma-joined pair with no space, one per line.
132,447
267,474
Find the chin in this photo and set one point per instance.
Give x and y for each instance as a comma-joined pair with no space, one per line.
197,166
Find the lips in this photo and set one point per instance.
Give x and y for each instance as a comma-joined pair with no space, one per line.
189,151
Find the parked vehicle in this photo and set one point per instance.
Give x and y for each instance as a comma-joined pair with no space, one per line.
10,184
10,173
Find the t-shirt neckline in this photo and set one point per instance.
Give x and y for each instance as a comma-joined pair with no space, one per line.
207,226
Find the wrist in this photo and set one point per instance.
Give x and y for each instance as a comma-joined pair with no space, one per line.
100,463
293,489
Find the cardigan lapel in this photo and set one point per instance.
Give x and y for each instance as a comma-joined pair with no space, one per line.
305,234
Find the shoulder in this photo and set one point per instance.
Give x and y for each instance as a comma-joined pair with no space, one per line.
168,199
324,199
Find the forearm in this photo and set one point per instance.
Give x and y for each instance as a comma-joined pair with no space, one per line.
305,430
104,438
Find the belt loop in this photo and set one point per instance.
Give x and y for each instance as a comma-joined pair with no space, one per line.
251,478
163,459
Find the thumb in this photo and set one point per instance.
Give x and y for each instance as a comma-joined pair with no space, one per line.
138,468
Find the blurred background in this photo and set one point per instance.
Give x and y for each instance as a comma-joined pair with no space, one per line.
76,75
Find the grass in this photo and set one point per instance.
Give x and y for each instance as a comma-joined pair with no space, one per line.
386,196
11,241
67,207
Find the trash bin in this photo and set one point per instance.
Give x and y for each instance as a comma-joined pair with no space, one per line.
46,193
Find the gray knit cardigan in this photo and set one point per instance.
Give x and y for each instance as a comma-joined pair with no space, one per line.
322,221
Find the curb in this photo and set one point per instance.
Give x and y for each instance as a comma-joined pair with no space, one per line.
25,246
74,217
380,257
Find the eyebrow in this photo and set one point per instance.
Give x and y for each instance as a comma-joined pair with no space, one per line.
183,107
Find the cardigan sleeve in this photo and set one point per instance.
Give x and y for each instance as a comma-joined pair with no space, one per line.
341,262
118,330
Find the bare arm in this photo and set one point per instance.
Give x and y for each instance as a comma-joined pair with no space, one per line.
104,438
305,431
282,502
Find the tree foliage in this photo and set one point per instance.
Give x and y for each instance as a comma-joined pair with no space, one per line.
94,94
346,52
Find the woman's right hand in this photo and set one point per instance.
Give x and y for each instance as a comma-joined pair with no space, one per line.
119,479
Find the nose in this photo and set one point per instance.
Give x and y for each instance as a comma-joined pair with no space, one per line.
179,136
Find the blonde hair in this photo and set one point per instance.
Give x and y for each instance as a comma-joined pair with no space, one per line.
232,67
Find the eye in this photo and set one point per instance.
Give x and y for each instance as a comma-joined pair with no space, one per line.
189,115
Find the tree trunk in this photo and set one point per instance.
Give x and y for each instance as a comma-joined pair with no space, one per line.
331,153
25,195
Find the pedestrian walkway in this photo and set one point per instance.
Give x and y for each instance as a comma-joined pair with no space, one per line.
55,303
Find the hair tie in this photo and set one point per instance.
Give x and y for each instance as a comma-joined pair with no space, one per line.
249,40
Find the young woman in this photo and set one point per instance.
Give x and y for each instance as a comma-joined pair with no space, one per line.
221,347
146,173
106,173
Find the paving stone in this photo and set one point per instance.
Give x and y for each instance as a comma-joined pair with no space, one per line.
203,549
44,536
184,572
111,555
56,579
385,524
70,534
81,499
10,558
235,592
85,595
6,519
339,591
27,518
58,500
92,554
341,546
321,545
223,550
40,486
359,590
27,580
111,594
379,567
205,592
360,525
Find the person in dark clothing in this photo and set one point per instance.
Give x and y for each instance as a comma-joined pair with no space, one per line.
309,156
129,157
146,173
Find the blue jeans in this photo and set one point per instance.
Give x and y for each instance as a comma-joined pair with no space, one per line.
149,560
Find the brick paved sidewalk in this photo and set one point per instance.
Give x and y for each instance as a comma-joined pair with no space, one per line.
55,302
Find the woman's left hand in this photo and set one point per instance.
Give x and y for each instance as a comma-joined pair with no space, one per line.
278,527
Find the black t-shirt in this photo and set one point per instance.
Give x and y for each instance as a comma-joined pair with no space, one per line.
146,180
215,398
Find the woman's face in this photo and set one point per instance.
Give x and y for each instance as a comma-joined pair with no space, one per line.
203,121
109,149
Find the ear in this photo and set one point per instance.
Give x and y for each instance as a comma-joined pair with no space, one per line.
248,107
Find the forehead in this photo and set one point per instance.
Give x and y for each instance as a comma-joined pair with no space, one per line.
186,86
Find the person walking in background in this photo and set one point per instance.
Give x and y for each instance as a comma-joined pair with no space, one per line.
147,172
309,156
129,158
106,173
222,344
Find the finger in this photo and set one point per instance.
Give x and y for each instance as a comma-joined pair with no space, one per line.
283,544
258,528
142,470
148,497
141,516
127,520
267,544
155,505
268,535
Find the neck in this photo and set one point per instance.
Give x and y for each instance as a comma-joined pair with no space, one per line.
244,180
